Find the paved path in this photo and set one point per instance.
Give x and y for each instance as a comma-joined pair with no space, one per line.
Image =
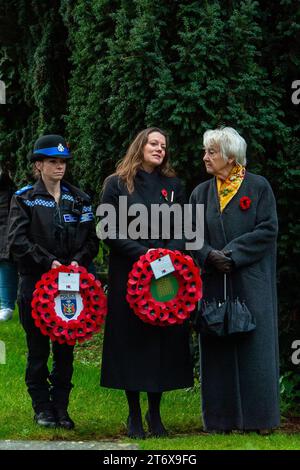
66,445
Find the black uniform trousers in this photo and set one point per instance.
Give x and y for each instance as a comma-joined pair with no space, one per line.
47,390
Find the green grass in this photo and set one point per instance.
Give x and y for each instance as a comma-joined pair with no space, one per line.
101,413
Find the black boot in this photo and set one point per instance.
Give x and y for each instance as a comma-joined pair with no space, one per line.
45,418
63,419
134,422
153,419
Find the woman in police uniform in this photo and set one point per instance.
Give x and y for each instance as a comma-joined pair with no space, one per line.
51,223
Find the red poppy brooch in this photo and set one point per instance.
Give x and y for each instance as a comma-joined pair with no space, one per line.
164,194
245,203
69,317
170,299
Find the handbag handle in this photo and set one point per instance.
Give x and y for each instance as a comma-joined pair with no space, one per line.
225,287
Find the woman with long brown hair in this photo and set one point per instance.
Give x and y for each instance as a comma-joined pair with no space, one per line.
137,356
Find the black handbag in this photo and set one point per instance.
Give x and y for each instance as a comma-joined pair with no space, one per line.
223,318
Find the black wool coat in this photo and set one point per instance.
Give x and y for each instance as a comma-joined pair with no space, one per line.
138,356
240,376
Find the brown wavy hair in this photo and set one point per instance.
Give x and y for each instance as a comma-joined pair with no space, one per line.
128,166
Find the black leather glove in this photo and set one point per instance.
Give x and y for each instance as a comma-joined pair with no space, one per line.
220,261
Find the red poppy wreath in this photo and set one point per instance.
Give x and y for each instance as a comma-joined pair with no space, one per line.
64,316
170,299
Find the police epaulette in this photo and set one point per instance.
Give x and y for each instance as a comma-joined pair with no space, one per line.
23,190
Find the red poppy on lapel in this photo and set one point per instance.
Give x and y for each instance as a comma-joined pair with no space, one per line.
245,203
164,193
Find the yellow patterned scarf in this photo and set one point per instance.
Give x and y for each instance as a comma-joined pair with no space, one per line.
228,188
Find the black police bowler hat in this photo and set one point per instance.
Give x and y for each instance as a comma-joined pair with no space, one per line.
49,146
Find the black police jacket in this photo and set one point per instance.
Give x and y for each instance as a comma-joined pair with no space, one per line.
41,231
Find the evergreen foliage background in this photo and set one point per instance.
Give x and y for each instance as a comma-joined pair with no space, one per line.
98,71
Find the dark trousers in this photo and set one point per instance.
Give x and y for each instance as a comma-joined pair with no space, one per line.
47,390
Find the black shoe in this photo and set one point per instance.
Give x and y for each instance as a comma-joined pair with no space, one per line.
264,432
156,427
63,419
135,428
46,419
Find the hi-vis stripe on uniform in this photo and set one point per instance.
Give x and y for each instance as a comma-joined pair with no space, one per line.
87,217
39,202
83,218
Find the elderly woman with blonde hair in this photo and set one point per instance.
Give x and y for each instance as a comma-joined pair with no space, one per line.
239,373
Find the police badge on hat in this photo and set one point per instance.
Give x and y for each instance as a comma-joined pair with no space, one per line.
50,146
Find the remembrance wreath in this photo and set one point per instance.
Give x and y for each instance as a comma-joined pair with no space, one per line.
63,328
170,299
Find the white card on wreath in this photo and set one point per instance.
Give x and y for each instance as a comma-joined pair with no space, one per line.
68,282
162,266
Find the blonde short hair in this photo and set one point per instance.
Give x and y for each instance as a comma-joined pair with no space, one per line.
230,142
